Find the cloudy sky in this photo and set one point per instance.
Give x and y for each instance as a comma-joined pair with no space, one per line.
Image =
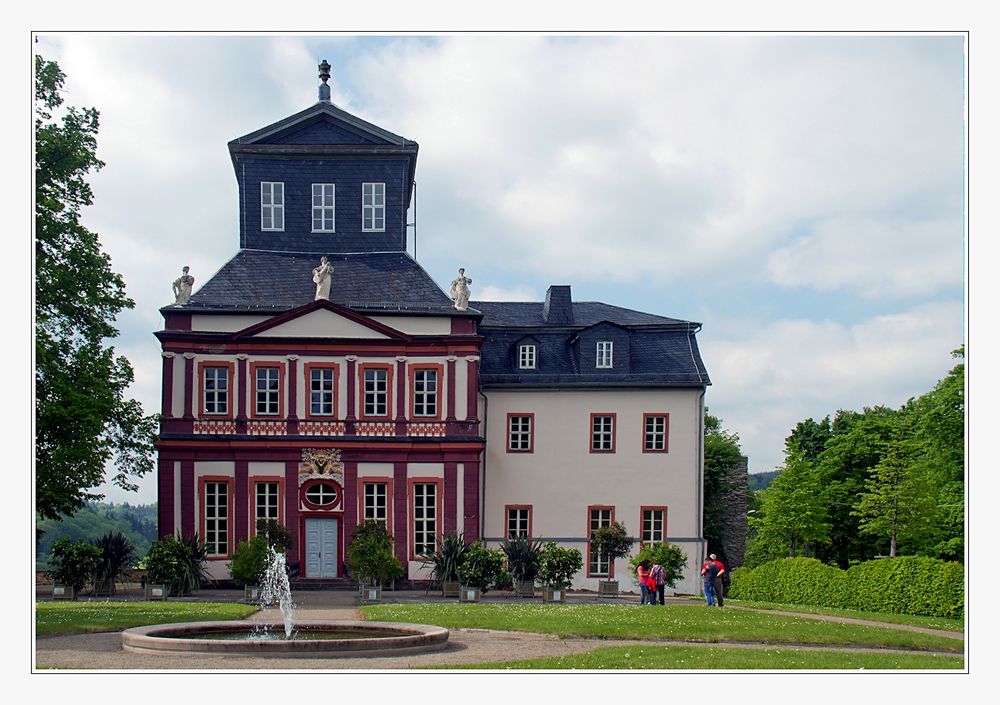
801,196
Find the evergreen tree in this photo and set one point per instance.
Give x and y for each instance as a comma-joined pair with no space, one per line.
83,419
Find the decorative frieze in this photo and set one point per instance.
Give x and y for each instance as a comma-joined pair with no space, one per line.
375,428
322,428
214,427
266,428
427,429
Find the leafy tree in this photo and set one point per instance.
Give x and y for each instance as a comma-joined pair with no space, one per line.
74,563
136,523
481,567
794,515
558,565
612,541
369,555
83,419
670,556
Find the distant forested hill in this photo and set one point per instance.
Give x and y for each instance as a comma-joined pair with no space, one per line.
760,480
137,522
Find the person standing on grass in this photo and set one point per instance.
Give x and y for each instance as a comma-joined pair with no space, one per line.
659,576
642,570
709,571
719,589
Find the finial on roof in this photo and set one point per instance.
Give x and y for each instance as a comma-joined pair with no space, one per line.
324,76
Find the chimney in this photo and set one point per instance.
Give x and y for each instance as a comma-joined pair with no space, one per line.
558,308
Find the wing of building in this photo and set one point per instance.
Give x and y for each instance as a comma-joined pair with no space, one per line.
321,377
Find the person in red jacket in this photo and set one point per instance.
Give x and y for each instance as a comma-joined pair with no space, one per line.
642,570
719,591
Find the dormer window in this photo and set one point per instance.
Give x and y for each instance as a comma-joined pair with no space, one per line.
272,205
605,354
526,357
373,207
323,208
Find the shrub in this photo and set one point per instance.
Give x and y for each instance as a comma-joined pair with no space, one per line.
278,536
177,563
612,541
558,565
369,555
904,585
249,561
449,552
74,563
523,556
481,567
117,556
670,556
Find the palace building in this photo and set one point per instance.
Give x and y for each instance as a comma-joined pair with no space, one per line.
322,377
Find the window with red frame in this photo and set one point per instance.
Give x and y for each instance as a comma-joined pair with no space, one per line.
266,500
267,390
599,565
425,517
375,502
217,517
321,391
519,433
425,392
655,433
602,436
376,391
215,390
653,525
518,522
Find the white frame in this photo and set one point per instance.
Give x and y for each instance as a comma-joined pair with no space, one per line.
373,507
326,210
424,538
605,354
272,207
658,435
273,398
648,538
270,492
380,392
522,521
324,372
220,395
373,212
595,559
603,435
323,490
422,396
218,525
519,439
526,356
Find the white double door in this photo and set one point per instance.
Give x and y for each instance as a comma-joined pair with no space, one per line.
321,548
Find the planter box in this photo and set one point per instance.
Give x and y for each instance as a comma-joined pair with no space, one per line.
469,594
524,588
251,594
156,592
450,589
63,592
607,588
371,593
554,595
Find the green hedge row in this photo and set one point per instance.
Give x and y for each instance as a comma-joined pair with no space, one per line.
905,585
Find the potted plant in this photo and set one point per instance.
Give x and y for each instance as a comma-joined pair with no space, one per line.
73,565
117,556
522,561
370,559
611,542
175,566
666,554
479,571
445,561
556,568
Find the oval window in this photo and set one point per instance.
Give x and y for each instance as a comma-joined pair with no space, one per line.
321,494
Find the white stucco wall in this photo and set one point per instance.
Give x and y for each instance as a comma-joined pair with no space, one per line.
223,323
561,478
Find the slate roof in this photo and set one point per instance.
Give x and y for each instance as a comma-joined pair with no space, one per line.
660,351
264,280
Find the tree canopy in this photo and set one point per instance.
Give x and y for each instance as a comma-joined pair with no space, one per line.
83,419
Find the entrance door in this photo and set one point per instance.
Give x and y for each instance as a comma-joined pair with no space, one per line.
321,548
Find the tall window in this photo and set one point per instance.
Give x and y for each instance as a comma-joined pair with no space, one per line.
605,354
321,396
266,501
217,518
425,392
520,433
376,390
215,391
323,208
376,504
266,385
602,433
526,357
425,517
653,525
372,207
272,205
518,522
655,433
598,565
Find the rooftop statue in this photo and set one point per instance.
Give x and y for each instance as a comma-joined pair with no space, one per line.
322,276
182,287
460,290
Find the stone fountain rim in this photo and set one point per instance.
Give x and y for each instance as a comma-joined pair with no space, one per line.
419,638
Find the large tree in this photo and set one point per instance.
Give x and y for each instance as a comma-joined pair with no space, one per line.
83,420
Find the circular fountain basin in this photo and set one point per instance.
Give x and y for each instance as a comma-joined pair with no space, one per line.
311,638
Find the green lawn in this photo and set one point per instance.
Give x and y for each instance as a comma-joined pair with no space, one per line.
77,617
954,625
693,623
709,657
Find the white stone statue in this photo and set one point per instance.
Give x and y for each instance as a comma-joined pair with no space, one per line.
182,287
322,276
460,290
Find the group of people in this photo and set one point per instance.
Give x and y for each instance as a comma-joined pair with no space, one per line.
652,581
716,580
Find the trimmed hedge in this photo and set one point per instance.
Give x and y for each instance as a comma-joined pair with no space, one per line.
905,585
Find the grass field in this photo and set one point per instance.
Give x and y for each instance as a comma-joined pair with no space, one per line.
692,623
79,617
654,657
954,625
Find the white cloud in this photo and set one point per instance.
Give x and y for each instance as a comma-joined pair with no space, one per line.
769,377
492,292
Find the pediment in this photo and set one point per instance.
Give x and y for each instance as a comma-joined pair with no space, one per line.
322,319
322,123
